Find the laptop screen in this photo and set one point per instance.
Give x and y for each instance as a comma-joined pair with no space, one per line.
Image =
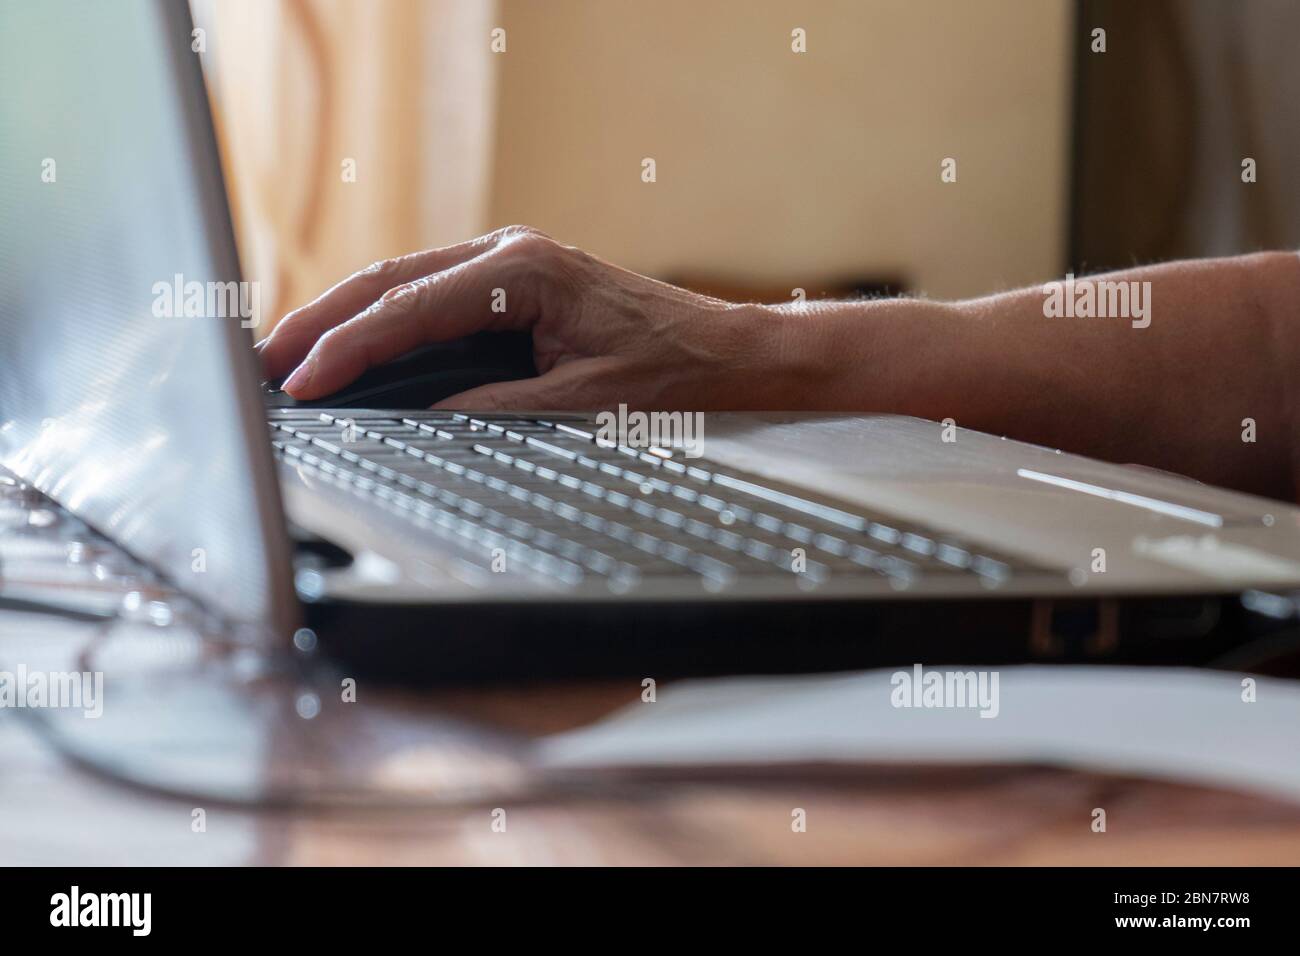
125,390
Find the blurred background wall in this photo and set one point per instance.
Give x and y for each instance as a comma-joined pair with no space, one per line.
1186,92
774,169
780,169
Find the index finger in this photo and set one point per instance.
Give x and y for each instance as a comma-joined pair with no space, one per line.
298,331
435,308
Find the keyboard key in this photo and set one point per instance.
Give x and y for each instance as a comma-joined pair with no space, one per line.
571,507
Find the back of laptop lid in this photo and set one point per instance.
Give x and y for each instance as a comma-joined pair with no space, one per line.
127,384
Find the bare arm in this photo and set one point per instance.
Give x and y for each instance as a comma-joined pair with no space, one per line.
1222,342
1222,346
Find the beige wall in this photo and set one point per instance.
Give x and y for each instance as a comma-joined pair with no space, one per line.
776,167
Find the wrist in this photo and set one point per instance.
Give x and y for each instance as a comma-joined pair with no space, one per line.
879,355
791,357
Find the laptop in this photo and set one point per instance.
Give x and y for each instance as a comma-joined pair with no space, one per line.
418,545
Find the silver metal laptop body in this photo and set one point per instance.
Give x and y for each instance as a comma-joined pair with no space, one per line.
111,191
1048,522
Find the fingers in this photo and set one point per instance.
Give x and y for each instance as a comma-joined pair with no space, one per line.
298,331
434,308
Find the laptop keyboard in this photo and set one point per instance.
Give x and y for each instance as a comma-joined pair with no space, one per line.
545,494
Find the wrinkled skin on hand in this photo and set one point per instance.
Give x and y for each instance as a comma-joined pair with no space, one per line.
601,335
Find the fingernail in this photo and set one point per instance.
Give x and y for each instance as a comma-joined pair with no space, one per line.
299,379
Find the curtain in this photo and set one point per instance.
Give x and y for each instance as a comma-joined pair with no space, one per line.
1186,90
351,130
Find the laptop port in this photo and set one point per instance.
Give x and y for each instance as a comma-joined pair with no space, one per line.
1075,627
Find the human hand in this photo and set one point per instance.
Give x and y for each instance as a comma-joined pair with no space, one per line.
601,335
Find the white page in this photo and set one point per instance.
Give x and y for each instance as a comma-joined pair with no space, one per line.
1179,724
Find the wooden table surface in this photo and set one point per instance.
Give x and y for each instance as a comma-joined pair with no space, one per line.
53,813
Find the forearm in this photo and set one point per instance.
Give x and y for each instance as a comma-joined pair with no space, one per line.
1221,347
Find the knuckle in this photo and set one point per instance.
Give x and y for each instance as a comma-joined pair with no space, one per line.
332,340
538,249
401,295
289,320
521,231
578,255
380,269
537,254
531,245
571,272
377,268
